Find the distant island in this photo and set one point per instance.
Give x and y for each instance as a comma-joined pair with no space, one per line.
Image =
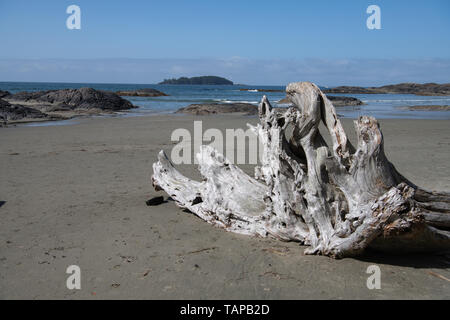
205,80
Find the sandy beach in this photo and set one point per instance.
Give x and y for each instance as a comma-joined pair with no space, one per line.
75,195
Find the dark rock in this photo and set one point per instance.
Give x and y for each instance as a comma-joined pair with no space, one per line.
344,101
216,108
71,99
148,92
27,96
155,201
426,89
4,93
13,112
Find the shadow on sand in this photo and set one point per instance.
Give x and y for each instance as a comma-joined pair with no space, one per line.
419,261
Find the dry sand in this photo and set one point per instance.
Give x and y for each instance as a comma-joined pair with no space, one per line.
76,195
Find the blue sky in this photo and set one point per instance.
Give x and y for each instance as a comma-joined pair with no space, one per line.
258,42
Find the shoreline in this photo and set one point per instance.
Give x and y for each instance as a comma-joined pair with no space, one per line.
137,113
393,107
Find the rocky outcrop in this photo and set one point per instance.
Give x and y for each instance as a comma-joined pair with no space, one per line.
426,89
147,92
216,108
338,101
71,99
59,104
15,112
344,101
4,93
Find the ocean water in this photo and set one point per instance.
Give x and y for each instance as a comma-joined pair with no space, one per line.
381,106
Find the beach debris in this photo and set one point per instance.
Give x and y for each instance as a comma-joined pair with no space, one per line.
277,275
155,201
197,251
336,198
282,251
128,259
437,275
142,275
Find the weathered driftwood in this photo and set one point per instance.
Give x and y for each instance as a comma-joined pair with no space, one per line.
336,199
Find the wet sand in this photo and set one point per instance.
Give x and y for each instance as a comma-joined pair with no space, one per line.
75,195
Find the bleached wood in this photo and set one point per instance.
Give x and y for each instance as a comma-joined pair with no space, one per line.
336,199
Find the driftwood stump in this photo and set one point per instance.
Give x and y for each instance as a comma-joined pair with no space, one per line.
336,199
